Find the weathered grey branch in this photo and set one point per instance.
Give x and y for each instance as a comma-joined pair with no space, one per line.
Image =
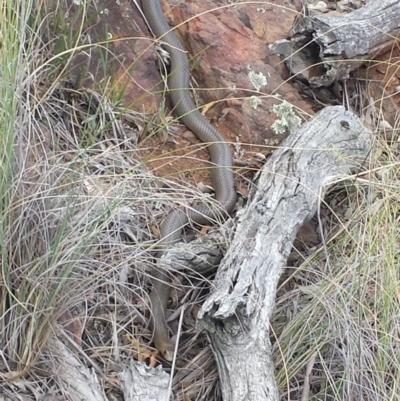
237,313
323,50
199,256
141,383
76,380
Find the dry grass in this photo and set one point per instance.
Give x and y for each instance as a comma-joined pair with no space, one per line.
337,320
78,208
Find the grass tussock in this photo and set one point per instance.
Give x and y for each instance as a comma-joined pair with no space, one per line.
61,201
337,321
78,209
78,212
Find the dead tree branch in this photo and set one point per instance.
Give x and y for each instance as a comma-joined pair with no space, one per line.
237,314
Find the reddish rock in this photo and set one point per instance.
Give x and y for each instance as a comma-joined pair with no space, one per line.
231,42
126,64
226,43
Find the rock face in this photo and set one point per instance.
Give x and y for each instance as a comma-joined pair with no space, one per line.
229,50
228,46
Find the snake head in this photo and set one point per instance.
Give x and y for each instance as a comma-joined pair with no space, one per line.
167,352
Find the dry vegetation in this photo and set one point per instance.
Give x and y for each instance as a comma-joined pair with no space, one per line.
79,209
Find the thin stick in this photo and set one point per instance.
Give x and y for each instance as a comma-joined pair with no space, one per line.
175,350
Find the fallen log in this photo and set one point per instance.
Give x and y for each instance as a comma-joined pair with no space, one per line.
291,185
288,192
325,49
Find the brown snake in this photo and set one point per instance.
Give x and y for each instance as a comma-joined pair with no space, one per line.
221,172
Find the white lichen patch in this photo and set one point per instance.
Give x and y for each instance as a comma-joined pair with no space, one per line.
254,102
288,120
258,80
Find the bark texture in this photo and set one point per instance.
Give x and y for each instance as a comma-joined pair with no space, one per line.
76,380
141,383
323,50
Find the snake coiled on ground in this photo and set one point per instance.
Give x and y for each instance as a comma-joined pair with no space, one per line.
221,170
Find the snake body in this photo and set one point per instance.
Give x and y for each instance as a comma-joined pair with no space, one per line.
221,171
